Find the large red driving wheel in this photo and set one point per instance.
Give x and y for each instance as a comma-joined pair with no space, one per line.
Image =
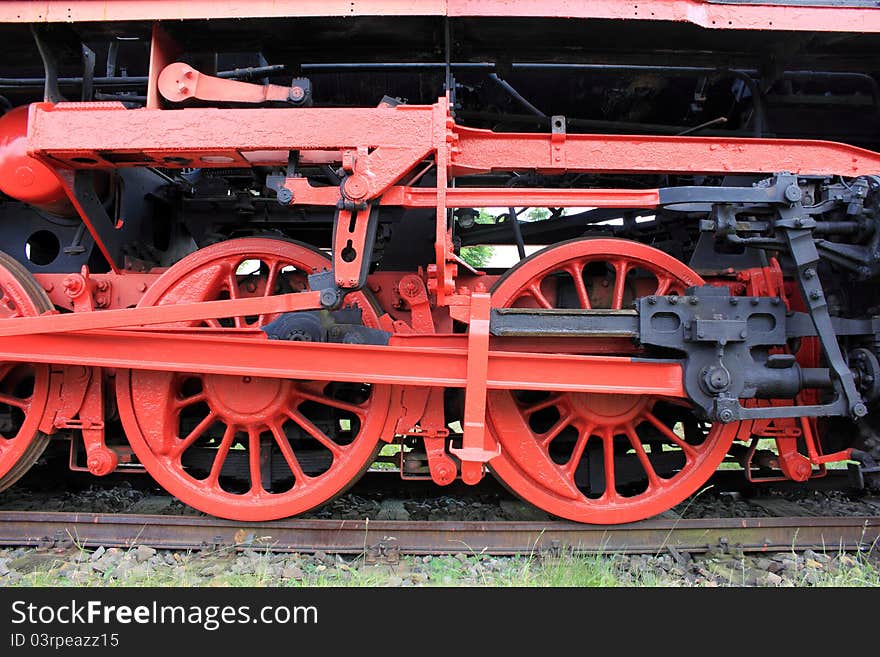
240,447
599,458
24,387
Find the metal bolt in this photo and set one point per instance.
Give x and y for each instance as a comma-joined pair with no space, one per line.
775,301
798,222
329,298
652,300
734,301
285,196
754,301
726,415
793,193
743,333
297,94
809,273
859,410
673,300
693,301
815,295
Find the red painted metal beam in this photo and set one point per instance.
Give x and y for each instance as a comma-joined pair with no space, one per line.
403,365
111,136
101,135
480,151
728,16
184,312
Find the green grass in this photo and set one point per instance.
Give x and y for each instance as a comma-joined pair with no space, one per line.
567,570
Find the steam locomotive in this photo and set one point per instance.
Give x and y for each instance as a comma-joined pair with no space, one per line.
598,250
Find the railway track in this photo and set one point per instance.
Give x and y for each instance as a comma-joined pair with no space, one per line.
386,540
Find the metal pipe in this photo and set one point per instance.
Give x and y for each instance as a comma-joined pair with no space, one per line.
516,95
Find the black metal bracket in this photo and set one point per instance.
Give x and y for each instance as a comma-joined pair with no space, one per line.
102,223
796,230
727,340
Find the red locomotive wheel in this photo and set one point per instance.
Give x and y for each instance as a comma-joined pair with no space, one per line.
249,448
24,387
599,458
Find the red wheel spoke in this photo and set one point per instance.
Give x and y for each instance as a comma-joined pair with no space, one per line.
214,323
554,431
189,401
608,463
621,267
17,402
314,431
254,460
552,400
576,272
535,291
642,455
664,283
194,435
330,401
220,456
688,450
289,456
578,451
232,284
271,280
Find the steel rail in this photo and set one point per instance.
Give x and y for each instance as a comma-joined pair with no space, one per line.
389,538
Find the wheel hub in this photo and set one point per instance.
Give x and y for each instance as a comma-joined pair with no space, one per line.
246,400
604,410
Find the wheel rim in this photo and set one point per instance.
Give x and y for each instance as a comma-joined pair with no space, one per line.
592,457
24,387
249,448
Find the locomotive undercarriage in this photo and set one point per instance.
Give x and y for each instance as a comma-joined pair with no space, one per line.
247,294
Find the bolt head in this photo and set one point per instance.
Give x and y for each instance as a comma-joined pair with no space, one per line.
329,298
793,193
285,196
